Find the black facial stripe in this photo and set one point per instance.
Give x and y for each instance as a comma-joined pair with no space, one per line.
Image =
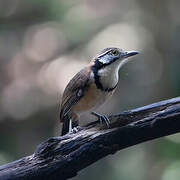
100,65
96,76
98,82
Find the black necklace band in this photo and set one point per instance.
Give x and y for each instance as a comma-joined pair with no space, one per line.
98,82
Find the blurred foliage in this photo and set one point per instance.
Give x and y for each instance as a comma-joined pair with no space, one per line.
44,43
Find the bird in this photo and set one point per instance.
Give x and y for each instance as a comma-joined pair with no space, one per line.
92,86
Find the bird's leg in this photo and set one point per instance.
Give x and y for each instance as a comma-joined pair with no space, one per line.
75,126
70,125
75,123
102,118
75,129
72,129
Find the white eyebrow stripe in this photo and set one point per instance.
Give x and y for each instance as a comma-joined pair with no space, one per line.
104,53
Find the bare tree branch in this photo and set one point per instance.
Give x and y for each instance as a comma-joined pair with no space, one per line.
62,157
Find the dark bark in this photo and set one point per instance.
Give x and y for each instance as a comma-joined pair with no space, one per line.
62,157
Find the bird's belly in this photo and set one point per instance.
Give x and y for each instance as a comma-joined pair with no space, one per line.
91,99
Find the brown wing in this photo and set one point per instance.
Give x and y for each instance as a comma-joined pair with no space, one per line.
74,91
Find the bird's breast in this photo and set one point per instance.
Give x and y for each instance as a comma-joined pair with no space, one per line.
92,98
108,76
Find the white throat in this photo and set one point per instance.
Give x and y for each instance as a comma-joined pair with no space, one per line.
109,75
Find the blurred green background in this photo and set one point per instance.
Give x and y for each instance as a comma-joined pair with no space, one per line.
44,43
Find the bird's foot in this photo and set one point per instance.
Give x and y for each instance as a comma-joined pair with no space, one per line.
102,118
75,129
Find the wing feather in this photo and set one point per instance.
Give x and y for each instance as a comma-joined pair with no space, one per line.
74,91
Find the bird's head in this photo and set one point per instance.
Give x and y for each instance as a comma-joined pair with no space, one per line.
112,55
105,67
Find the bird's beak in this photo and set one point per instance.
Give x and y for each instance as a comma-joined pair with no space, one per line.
129,54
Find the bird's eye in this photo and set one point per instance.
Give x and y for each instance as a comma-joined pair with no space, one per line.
115,52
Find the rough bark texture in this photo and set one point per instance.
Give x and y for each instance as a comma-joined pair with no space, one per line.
62,157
